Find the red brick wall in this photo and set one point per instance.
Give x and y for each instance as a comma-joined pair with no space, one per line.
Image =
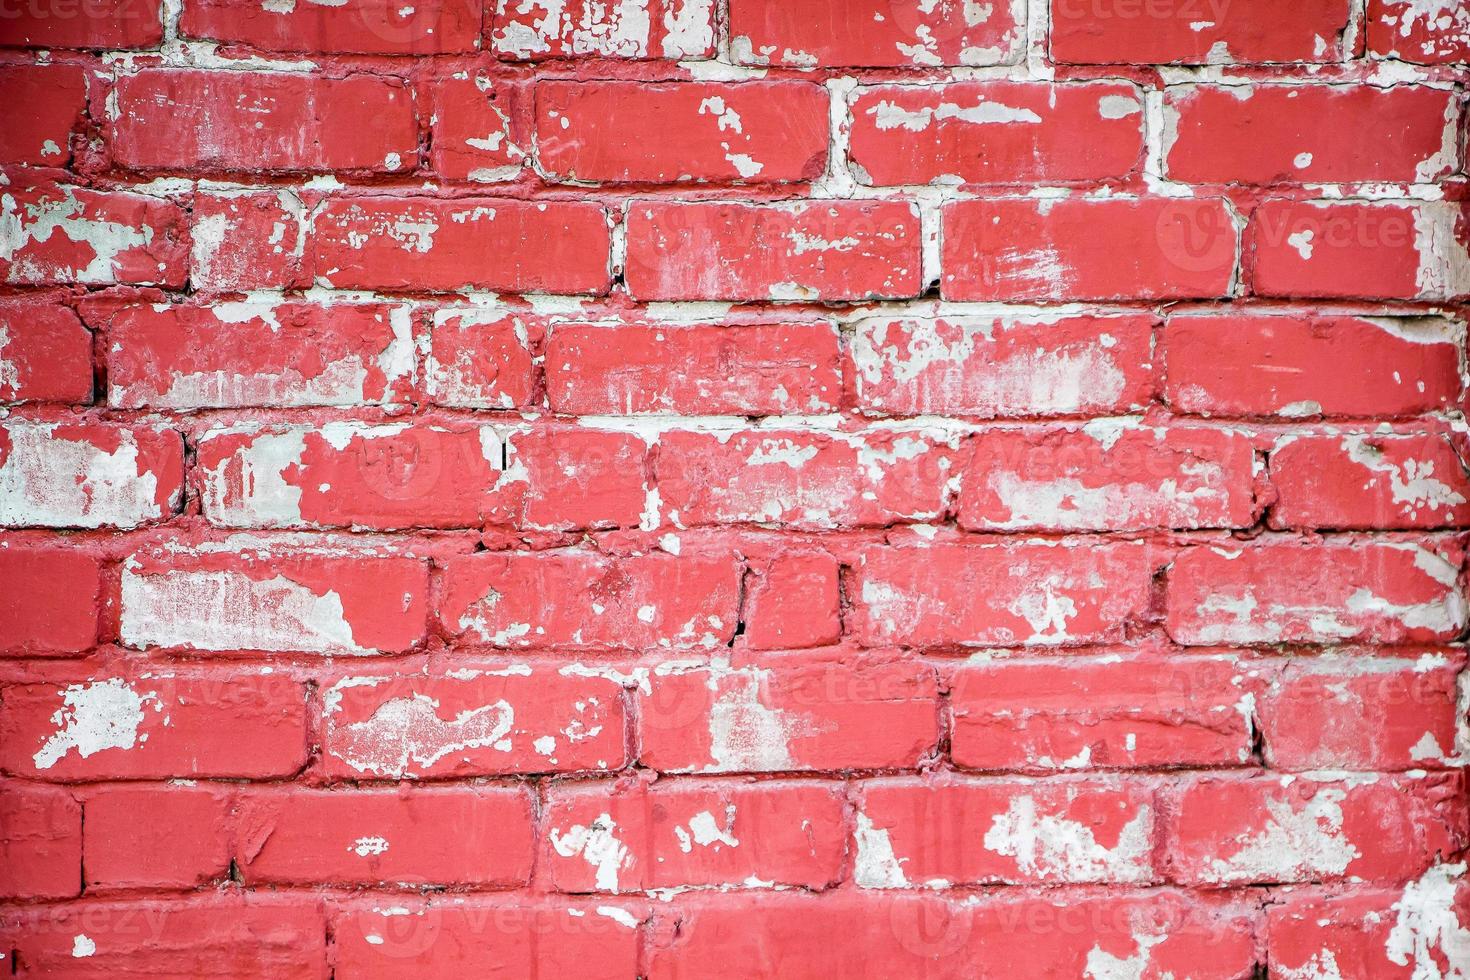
732,488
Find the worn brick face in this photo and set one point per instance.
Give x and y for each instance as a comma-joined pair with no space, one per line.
683,489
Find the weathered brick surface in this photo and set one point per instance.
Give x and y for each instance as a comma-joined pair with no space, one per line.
734,488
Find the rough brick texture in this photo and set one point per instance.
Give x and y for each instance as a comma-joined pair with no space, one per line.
687,489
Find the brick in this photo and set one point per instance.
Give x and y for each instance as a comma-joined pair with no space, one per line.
350,474
1271,134
805,479
433,245
699,132
912,832
482,358
1001,133
674,834
1231,830
1011,934
793,601
184,842
1003,367
1018,250
693,369
477,128
86,474
48,598
45,353
1359,250
1104,713
248,240
307,836
49,101
518,936
96,24
812,250
1358,711
1285,591
471,723
1013,594
1434,34
232,599
155,725
1365,480
814,716
40,842
580,477
281,122
1293,366
105,238
240,355
585,599
213,934
872,33
537,30
1107,476
359,27
1191,32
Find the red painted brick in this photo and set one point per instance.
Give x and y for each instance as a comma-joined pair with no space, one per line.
102,24
811,250
428,244
425,27
84,474
1293,366
1012,594
1003,367
48,598
471,723
1270,134
803,478
959,831
238,355
1286,591
1437,33
693,369
585,599
306,836
157,836
610,131
1367,250
541,29
579,477
482,358
232,120
312,601
997,133
45,353
1197,32
477,128
1106,713
1363,712
799,717
793,601
1363,480
243,937
40,842
476,936
155,724
1232,830
249,240
1107,476
60,235
671,834
872,33
47,102
1014,249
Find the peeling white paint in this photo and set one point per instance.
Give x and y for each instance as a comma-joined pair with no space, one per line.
1052,847
598,846
93,717
408,733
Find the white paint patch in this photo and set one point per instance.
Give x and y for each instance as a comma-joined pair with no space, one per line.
875,865
745,734
408,732
66,481
94,717
1427,929
82,947
1102,965
368,846
889,115
38,222
1294,843
598,846
1055,848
